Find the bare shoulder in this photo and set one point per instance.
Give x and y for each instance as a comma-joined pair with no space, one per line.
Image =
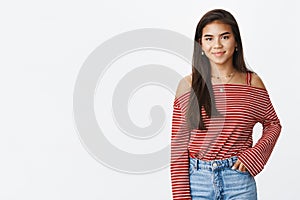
257,82
184,85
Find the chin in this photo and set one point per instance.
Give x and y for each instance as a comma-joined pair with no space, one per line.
218,62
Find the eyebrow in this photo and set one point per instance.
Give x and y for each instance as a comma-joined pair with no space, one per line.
225,33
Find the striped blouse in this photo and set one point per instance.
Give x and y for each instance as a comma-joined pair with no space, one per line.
229,134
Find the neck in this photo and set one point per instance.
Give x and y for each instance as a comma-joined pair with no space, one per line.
221,70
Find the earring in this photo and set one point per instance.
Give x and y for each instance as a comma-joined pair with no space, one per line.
236,49
202,53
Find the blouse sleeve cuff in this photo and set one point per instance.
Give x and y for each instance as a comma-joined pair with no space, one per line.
252,162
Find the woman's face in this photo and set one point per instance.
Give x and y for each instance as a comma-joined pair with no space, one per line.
218,43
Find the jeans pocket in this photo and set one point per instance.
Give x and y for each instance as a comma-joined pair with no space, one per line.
240,172
192,168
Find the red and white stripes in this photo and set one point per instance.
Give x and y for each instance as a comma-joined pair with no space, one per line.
229,134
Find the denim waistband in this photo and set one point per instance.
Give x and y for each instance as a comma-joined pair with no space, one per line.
213,164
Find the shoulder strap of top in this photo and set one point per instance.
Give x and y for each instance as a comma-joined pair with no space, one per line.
248,78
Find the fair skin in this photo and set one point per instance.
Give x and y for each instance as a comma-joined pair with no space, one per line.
218,44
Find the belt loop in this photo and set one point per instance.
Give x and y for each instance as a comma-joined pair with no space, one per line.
197,164
231,162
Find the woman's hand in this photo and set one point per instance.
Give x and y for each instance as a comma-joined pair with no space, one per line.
239,166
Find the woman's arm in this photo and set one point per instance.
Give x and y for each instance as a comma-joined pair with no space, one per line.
256,157
179,146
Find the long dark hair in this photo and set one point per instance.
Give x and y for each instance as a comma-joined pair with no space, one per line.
201,95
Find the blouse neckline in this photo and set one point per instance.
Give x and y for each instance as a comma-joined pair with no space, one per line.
226,85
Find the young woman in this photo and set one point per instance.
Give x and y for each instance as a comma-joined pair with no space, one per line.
215,110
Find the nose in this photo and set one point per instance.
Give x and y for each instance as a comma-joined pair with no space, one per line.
217,43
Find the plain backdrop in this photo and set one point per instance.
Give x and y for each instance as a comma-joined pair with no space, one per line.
43,45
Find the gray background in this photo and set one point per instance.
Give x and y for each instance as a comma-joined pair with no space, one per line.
43,45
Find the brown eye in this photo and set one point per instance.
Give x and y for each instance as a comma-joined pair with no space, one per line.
226,37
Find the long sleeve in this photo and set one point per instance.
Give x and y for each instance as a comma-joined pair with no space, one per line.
255,158
179,153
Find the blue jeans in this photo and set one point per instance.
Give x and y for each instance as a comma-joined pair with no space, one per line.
216,180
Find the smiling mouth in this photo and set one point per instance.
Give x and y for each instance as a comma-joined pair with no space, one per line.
219,53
